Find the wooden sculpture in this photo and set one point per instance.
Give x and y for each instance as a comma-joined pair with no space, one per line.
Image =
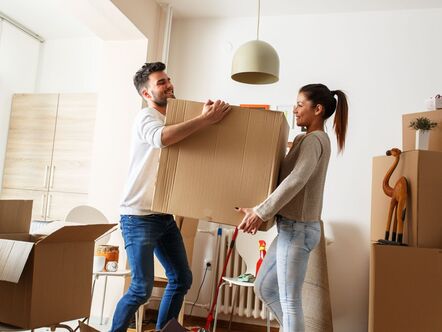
398,201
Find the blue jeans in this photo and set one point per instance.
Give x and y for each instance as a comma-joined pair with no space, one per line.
281,276
144,236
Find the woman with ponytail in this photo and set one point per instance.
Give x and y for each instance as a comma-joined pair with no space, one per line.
297,204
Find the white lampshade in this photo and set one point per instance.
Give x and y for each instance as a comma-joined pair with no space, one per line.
255,62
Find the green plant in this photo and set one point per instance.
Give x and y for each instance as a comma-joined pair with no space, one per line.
422,123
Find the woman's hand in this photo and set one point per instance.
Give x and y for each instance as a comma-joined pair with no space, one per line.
251,221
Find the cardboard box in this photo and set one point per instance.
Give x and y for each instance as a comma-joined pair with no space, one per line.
86,328
188,228
43,280
232,163
423,222
409,134
405,289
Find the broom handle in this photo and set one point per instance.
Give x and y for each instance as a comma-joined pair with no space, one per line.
232,244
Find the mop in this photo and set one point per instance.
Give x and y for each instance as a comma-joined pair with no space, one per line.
215,299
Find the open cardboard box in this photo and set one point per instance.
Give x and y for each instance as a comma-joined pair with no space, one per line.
44,280
234,163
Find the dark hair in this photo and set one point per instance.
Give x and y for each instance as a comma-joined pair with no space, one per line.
320,94
142,75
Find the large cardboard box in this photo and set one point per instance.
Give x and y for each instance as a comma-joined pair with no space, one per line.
405,289
409,134
234,163
43,280
423,222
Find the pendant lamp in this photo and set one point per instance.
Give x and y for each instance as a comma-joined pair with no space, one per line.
256,62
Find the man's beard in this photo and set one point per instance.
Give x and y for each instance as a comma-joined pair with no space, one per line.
162,102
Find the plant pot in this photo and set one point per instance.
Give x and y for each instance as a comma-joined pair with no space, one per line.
422,139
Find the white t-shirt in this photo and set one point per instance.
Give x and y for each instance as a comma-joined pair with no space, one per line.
144,158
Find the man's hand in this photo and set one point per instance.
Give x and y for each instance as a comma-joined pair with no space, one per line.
214,112
251,222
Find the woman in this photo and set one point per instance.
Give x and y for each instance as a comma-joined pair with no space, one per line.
297,205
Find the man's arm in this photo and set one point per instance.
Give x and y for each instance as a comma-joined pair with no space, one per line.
212,113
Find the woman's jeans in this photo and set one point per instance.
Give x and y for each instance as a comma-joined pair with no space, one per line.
281,276
144,236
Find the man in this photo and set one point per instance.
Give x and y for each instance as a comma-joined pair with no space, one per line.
144,231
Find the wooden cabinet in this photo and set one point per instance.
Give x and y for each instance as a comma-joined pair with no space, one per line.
49,151
73,143
30,141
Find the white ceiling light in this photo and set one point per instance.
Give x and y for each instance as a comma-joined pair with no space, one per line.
256,62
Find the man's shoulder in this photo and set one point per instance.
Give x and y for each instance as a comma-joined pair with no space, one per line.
149,113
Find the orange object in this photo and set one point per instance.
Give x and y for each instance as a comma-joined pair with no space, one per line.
256,106
111,253
262,253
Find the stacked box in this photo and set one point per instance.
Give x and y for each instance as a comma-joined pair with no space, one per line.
406,281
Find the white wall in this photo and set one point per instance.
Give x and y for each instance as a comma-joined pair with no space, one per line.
387,62
19,55
69,65
118,102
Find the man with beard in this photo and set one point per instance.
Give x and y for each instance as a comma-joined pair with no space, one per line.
144,231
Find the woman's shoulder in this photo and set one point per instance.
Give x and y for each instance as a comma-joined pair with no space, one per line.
317,139
318,135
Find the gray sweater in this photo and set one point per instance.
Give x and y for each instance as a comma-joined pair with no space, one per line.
301,180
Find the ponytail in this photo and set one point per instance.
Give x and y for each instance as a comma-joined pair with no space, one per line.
341,119
320,94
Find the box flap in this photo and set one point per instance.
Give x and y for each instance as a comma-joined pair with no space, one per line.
77,233
15,216
52,227
13,257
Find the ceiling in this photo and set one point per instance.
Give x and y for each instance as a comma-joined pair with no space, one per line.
53,19
241,8
60,19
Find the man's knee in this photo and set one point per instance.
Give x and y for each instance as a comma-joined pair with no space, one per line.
183,280
140,293
188,280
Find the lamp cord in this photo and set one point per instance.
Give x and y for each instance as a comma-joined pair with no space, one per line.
259,15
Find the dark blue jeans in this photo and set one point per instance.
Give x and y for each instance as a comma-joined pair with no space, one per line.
144,236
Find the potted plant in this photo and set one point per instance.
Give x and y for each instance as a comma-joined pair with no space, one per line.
422,125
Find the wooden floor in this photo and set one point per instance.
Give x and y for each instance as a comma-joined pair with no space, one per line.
222,326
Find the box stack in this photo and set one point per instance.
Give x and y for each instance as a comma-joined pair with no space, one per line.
406,281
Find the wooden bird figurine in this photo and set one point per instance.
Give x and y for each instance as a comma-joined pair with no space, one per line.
398,201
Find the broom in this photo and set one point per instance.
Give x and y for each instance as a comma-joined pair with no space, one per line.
215,299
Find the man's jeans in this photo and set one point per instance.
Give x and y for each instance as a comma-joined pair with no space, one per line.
281,276
144,236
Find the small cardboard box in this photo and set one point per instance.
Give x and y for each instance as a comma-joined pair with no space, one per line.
234,163
423,221
405,289
43,280
409,134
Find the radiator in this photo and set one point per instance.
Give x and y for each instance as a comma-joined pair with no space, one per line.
247,303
